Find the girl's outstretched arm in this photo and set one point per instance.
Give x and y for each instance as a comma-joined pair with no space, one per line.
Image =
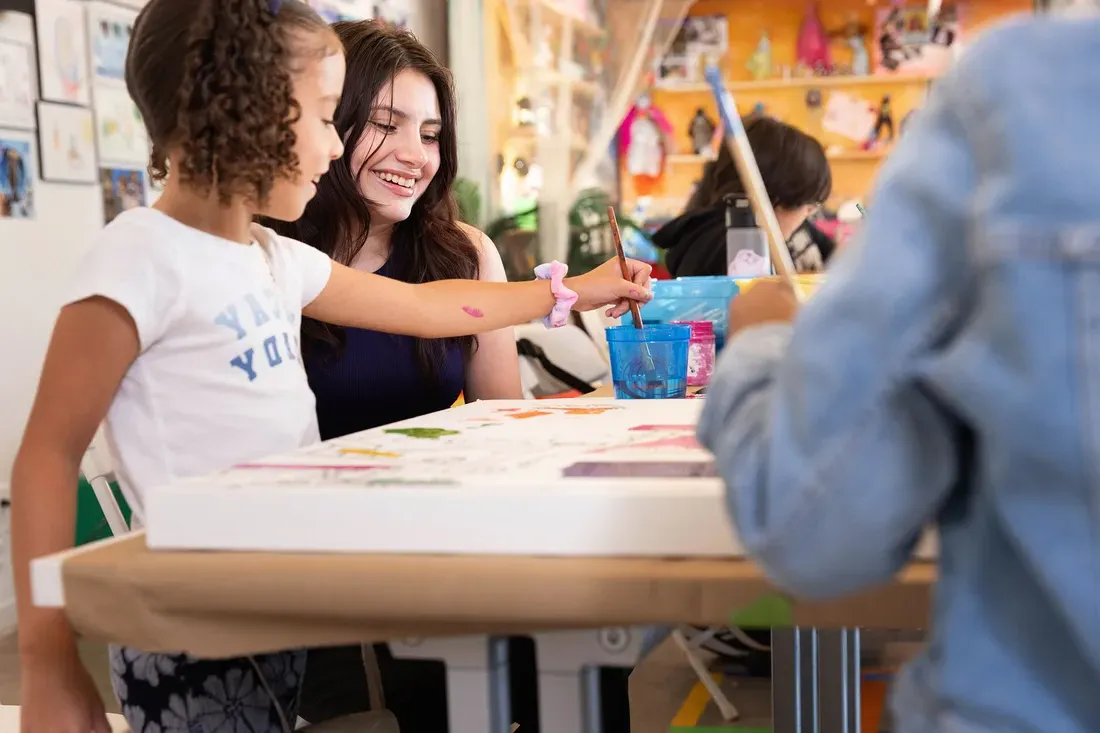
834,456
464,307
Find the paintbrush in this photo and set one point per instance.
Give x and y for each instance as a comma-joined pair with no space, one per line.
635,311
737,141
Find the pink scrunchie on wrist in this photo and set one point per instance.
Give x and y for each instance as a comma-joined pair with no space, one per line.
564,298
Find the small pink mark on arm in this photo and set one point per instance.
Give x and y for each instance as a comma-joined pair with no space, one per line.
476,313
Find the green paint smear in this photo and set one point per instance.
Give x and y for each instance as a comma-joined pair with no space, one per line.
412,482
423,433
765,613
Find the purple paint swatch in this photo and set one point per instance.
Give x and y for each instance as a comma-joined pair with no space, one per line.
641,469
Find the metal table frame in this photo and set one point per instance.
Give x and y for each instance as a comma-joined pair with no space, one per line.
815,678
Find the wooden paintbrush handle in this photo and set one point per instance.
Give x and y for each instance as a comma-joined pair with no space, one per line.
635,311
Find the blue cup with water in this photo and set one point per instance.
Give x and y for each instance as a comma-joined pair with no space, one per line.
649,363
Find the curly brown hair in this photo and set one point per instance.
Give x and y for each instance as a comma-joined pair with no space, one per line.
429,245
213,80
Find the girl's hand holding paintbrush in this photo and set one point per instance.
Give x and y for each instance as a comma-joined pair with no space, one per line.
608,284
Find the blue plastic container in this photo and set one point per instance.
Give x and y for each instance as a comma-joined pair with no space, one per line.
692,299
650,363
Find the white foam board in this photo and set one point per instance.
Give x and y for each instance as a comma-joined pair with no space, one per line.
491,482
496,477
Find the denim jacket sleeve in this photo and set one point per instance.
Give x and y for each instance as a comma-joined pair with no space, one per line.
834,454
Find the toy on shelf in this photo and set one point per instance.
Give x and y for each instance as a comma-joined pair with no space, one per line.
813,43
701,131
884,120
760,63
645,140
852,35
523,115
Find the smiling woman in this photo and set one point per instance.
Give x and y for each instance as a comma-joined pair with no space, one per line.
386,207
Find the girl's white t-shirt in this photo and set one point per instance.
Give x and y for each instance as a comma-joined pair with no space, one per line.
219,379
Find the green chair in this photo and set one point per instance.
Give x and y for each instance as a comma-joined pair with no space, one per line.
101,510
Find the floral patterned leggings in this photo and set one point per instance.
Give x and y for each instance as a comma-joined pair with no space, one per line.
176,693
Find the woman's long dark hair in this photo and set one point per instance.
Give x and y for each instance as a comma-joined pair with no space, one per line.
429,245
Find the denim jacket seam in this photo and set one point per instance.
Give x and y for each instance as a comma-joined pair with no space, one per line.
811,491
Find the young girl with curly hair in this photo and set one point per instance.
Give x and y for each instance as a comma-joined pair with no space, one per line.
182,330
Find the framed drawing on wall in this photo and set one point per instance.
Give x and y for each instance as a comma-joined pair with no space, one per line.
123,189
17,175
16,86
109,30
120,131
62,51
66,143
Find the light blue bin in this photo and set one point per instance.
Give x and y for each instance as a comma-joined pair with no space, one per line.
691,299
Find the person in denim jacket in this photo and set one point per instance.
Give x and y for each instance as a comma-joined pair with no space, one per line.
948,374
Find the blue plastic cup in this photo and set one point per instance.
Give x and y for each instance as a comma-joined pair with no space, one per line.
649,363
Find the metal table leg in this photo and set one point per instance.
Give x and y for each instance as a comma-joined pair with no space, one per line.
478,696
568,673
794,680
839,680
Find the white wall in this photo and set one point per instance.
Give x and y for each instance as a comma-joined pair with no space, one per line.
36,260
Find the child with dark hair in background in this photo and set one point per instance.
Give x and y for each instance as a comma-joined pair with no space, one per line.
797,176
182,329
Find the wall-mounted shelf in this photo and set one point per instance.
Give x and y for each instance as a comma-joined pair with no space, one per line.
867,155
810,82
688,159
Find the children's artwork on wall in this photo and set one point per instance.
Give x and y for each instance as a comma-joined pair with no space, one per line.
394,12
16,86
849,116
120,132
702,35
908,41
675,70
66,140
62,51
109,31
123,189
17,175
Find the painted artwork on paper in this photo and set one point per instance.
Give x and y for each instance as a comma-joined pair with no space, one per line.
120,131
17,176
16,86
109,30
123,189
66,139
516,444
62,51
